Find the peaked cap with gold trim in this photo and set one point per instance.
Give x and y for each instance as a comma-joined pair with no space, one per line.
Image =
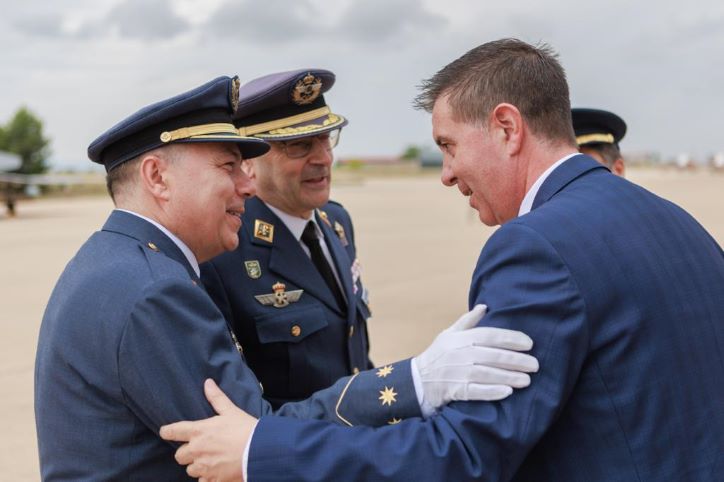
595,126
204,114
287,105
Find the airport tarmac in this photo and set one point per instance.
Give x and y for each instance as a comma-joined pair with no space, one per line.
417,241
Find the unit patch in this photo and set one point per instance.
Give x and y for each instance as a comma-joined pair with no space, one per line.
253,269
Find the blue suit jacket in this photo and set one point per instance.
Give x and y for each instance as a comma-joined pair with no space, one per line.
332,340
128,337
623,294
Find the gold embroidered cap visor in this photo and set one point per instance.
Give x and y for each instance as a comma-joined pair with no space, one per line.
293,128
287,105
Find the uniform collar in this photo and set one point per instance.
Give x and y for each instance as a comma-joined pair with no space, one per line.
527,203
295,224
180,244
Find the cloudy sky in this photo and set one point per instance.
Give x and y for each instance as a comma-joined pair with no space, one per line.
82,65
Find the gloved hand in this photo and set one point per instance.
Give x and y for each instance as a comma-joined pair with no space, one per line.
466,363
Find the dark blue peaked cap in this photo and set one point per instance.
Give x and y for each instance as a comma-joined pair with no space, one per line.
287,105
203,114
595,126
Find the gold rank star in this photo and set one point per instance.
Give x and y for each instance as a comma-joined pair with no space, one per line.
388,396
394,421
384,371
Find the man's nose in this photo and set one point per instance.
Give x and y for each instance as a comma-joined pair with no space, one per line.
447,177
245,186
321,153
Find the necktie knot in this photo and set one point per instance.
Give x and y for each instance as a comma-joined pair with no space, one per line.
309,235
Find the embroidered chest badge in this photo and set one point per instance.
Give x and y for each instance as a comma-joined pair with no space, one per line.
280,297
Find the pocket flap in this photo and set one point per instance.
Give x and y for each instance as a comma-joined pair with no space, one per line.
290,325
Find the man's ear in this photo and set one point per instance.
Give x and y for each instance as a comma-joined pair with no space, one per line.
507,121
618,167
247,165
154,175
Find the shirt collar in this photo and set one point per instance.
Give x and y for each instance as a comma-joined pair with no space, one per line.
527,203
296,224
181,245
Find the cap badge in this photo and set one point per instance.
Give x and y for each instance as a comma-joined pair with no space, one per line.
234,93
339,229
280,298
306,90
263,231
253,269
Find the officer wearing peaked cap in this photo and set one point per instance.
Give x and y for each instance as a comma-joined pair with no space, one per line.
598,133
292,233
129,334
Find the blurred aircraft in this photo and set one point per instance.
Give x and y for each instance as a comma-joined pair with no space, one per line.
14,186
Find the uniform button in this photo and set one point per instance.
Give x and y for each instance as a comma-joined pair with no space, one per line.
355,370
296,330
351,331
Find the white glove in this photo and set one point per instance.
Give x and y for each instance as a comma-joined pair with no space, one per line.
466,363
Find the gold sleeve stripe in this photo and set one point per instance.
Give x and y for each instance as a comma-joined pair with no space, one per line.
202,131
588,138
339,402
285,122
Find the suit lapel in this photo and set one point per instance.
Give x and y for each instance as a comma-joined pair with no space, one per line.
341,260
149,235
563,175
286,256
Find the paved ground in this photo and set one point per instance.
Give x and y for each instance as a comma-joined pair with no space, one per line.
418,243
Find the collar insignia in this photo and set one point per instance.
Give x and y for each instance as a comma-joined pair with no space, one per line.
339,229
263,230
306,90
324,217
279,298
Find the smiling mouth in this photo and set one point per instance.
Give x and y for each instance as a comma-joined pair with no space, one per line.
315,180
234,212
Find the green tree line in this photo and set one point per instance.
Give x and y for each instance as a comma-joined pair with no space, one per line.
23,135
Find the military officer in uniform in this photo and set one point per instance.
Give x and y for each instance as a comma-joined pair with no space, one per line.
598,133
129,329
294,240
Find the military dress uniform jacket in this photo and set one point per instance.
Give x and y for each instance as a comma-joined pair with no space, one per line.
311,342
623,295
128,338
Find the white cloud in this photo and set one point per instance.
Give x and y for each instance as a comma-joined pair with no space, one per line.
82,65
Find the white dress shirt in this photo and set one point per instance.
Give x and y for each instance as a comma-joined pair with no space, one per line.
296,226
527,203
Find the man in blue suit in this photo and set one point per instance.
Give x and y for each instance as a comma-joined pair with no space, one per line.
294,235
622,292
129,328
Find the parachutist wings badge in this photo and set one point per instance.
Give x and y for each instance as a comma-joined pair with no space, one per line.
280,298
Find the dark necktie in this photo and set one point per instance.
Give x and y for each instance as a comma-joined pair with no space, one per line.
309,237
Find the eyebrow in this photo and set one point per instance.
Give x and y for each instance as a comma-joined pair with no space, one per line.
440,139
